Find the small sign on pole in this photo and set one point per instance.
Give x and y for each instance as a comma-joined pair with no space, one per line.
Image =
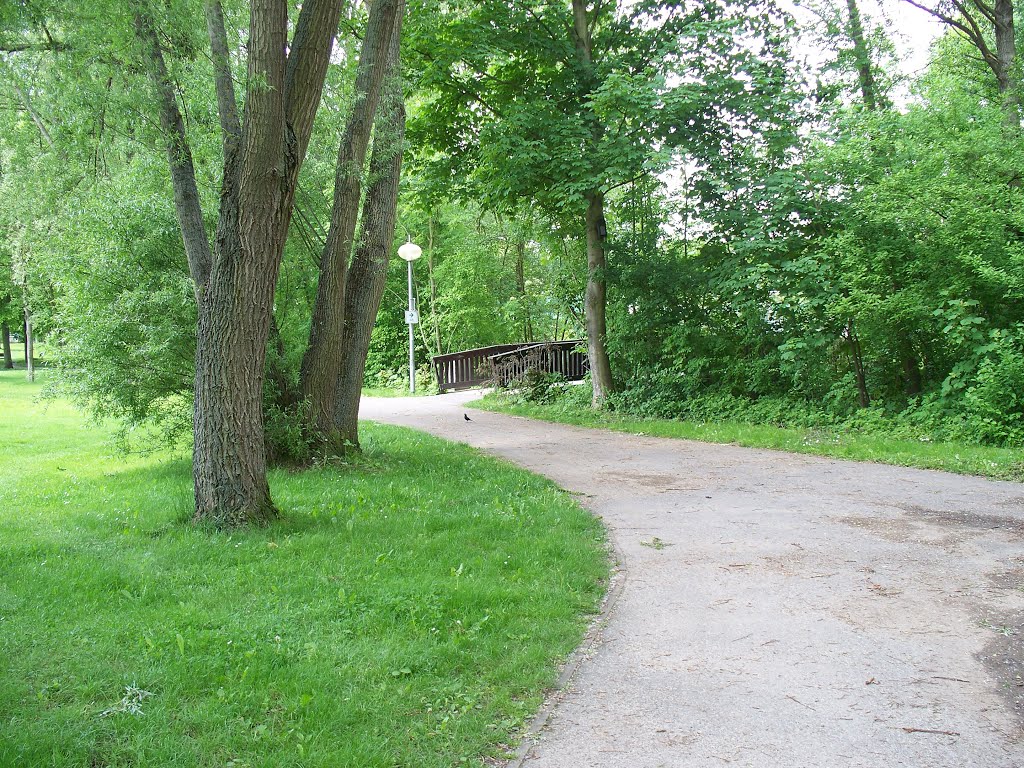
411,317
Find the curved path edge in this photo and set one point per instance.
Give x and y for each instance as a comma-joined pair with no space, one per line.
774,609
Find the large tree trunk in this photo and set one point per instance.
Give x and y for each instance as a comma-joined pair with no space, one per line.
595,301
229,464
5,334
368,273
1006,52
235,289
321,363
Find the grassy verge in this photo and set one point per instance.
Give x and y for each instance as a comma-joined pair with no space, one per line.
1000,463
399,391
409,610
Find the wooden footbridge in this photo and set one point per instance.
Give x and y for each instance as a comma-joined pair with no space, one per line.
504,364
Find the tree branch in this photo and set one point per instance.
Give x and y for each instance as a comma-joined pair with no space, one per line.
311,48
179,156
50,45
33,114
224,83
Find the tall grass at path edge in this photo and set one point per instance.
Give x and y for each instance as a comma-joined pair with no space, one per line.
960,458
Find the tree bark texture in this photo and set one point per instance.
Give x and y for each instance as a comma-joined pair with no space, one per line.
321,363
595,301
229,462
368,273
235,288
5,334
1006,52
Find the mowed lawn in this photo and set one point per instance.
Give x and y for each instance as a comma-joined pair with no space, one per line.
409,610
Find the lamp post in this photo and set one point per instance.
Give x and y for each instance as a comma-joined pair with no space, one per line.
410,252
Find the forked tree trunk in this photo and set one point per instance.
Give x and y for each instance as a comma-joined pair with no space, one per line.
321,363
972,18
5,333
857,358
368,273
229,464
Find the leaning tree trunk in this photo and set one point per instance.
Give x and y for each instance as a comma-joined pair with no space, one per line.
368,273
5,333
321,363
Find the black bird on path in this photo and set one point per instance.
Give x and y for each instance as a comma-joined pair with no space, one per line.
466,417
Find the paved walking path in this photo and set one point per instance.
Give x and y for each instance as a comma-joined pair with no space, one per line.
778,609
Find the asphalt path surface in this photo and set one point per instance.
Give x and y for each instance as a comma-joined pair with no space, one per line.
773,609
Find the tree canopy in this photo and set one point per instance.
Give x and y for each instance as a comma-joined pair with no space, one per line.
201,197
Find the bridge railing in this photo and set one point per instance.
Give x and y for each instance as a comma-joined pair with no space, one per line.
504,363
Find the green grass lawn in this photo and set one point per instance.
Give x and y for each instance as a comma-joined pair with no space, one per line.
409,610
1000,463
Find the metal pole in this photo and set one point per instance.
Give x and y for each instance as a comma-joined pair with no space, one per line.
412,356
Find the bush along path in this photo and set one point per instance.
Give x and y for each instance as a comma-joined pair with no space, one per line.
778,609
